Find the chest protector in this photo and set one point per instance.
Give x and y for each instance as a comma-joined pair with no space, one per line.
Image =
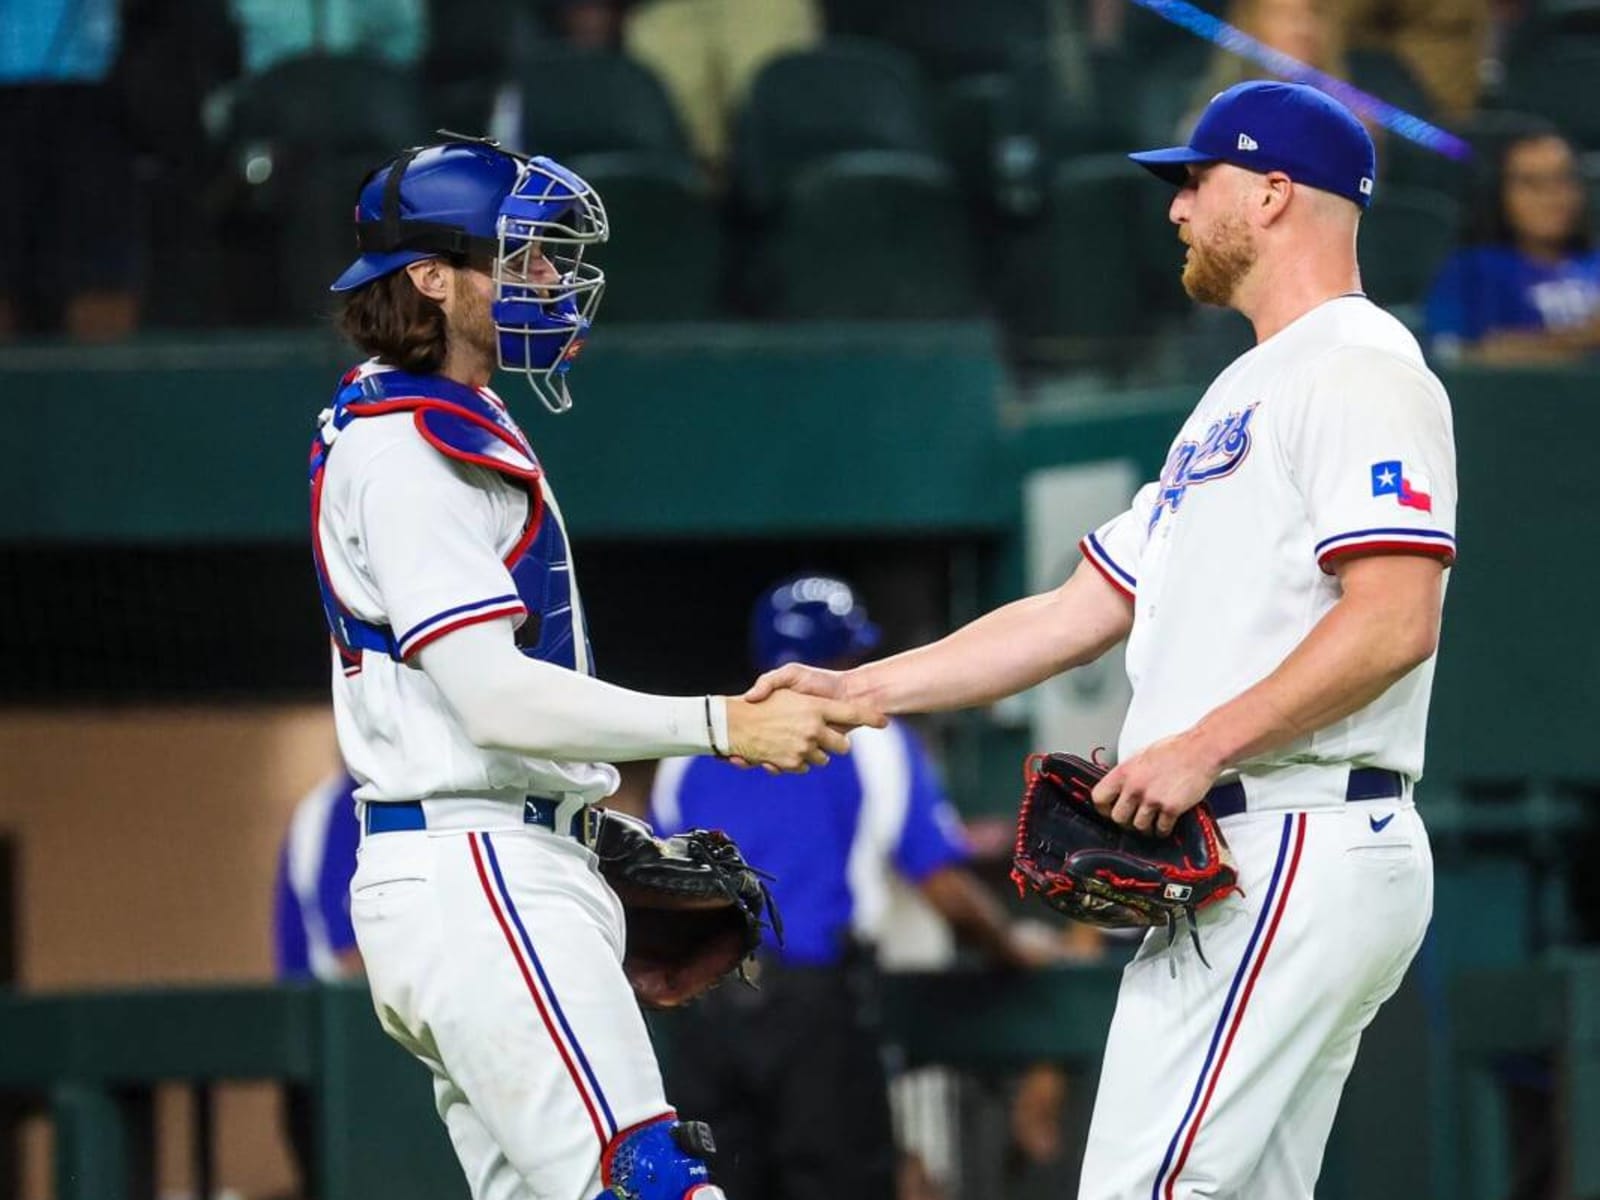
469,426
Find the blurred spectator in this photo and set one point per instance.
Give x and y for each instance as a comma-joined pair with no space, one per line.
791,1076
1527,290
313,937
1308,30
1443,42
588,24
70,225
273,30
708,51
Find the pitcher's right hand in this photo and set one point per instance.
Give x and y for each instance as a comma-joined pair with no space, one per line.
792,732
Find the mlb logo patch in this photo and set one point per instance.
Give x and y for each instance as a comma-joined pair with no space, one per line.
1410,491
1177,892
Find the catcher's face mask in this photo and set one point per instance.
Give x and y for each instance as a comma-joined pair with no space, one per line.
541,321
530,219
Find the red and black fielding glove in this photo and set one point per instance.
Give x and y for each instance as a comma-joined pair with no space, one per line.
1084,864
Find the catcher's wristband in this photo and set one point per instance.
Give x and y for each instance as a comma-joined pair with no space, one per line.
717,726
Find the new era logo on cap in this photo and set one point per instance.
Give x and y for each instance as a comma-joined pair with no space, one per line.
1366,186
1246,142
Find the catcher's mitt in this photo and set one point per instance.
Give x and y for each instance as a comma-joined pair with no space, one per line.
695,908
1089,867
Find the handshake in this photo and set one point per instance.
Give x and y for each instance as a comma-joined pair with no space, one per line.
794,718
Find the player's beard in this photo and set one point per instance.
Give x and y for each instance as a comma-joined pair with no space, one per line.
1215,268
473,324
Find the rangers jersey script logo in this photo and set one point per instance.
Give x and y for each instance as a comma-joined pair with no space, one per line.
1215,456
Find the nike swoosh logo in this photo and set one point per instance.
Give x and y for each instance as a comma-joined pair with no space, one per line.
1377,825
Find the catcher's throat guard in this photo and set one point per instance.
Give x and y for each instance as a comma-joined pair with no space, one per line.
1082,863
695,909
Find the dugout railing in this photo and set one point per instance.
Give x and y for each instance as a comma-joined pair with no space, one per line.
92,1062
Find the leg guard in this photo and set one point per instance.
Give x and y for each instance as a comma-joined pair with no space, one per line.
659,1159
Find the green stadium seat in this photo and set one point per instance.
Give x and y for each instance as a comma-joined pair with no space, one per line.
663,260
1144,96
298,140
950,40
330,102
1003,130
591,102
1555,76
874,234
1566,16
1071,280
1405,238
810,105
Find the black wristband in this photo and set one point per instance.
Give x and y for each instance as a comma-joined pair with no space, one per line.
711,732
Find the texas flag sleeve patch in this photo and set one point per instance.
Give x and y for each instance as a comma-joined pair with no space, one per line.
1410,491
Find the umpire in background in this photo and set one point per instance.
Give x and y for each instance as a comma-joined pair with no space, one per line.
791,1076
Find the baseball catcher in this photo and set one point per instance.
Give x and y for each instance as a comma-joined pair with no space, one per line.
695,908
1084,864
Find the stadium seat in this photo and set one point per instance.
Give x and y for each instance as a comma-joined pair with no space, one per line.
328,101
1554,76
1002,131
874,234
807,106
298,140
1405,238
663,260
1072,279
1566,16
950,40
590,102
1144,97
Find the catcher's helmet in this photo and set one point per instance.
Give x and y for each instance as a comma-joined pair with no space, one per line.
812,619
468,198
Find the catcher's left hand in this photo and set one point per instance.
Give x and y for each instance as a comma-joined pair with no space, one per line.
695,908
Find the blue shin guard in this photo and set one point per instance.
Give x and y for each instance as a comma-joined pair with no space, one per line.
660,1159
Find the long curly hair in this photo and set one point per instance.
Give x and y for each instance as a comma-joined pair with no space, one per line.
391,320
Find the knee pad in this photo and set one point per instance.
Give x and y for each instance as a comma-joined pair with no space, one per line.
659,1159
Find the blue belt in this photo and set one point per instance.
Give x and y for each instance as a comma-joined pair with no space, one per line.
1366,783
406,815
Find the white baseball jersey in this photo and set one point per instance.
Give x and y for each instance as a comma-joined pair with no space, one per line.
415,540
1222,1078
1330,438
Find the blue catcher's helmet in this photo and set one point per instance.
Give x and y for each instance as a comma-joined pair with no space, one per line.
468,198
813,619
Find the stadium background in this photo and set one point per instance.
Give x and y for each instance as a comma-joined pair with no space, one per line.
919,332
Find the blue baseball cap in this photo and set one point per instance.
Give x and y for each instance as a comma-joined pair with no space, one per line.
1289,127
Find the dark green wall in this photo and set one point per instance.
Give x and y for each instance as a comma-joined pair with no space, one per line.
817,430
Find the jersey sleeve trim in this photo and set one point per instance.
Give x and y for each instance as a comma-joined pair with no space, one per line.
1389,539
1095,552
451,619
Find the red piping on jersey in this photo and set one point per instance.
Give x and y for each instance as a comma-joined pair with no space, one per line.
538,1000
1446,554
1244,1003
492,614
1105,571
